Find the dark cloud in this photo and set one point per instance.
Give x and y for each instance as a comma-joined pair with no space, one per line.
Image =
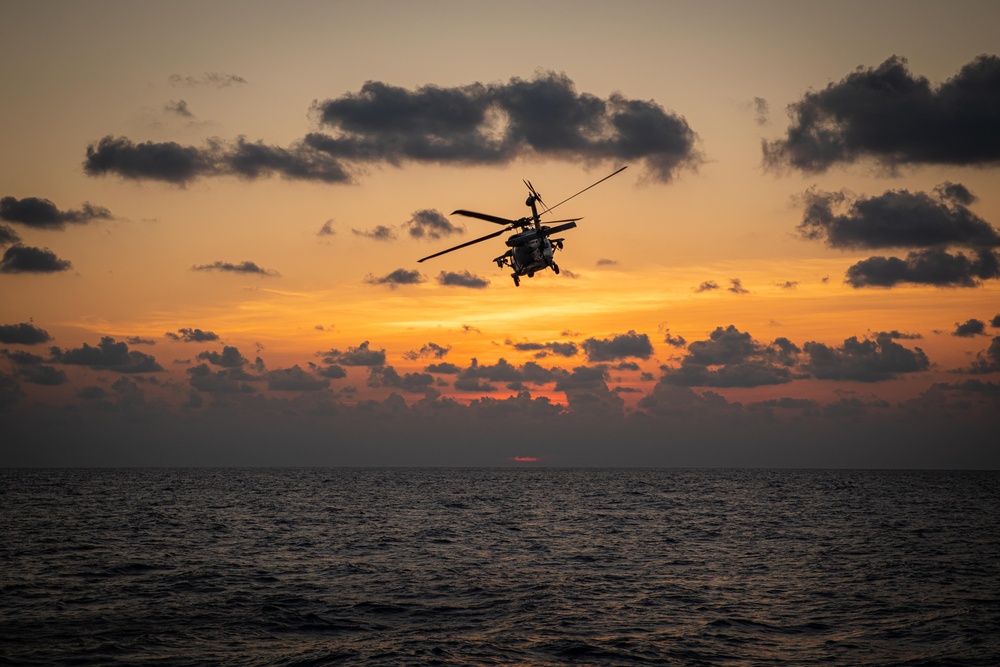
497,123
188,335
43,214
864,360
462,279
331,371
214,79
174,163
327,229
732,358
896,219
970,328
568,349
995,322
138,340
788,284
229,381
416,383
10,390
24,333
230,357
380,233
396,278
444,368
888,115
42,374
242,267
736,286
431,224
933,266
673,341
8,236
28,259
108,355
707,286
617,347
362,355
432,350
295,379
180,108
987,361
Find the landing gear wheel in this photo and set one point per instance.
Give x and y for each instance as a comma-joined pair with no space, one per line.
555,267
517,281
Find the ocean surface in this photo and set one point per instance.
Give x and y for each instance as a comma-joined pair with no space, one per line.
499,567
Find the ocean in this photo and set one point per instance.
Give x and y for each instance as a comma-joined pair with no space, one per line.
499,566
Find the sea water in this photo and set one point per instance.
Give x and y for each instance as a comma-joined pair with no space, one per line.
499,567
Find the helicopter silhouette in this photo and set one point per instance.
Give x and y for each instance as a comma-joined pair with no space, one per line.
531,249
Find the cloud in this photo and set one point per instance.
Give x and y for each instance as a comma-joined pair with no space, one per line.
10,390
28,259
432,350
888,115
180,108
737,286
431,224
416,383
214,79
229,381
732,358
567,349
230,357
500,122
229,267
327,229
864,360
43,214
620,346
970,328
896,219
108,355
295,379
707,286
607,262
24,333
673,341
8,236
462,279
187,335
987,361
995,322
396,278
926,267
380,233
444,368
761,110
173,163
362,355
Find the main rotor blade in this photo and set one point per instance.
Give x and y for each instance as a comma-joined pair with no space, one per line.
560,228
590,186
467,243
488,218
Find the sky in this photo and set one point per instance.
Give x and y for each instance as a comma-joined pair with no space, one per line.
211,216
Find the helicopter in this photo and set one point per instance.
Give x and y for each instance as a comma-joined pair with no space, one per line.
531,249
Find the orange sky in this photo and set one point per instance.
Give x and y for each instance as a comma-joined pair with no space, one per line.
193,77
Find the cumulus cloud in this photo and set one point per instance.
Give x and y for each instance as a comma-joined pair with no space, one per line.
24,333
462,279
864,360
431,224
29,259
736,286
396,278
707,286
230,357
295,379
227,381
432,350
108,355
242,267
896,219
416,383
179,108
933,266
970,328
733,358
43,214
888,115
567,349
187,335
499,122
987,361
618,347
173,163
362,355
379,233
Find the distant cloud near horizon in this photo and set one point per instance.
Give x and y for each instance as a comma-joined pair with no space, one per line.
888,115
229,267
